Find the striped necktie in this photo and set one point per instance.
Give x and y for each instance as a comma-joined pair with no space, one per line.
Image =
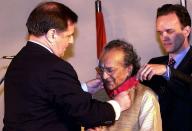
171,62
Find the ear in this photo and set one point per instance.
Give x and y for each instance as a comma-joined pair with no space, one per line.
130,70
51,35
187,31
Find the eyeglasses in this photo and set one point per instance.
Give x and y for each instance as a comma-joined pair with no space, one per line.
101,70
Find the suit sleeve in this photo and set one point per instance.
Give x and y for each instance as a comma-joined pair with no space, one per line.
66,95
157,83
180,82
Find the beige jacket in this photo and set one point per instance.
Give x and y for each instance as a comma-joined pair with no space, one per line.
143,115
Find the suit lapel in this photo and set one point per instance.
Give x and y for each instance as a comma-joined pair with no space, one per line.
186,63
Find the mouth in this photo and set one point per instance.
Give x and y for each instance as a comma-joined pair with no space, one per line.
166,44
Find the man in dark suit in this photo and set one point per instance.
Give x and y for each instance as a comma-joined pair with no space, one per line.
172,80
42,91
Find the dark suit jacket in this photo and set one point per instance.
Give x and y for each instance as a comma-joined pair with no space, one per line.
43,93
175,95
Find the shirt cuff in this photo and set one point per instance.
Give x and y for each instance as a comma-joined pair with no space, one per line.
167,73
84,87
116,108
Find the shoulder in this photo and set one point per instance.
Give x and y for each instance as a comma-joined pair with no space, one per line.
54,61
52,65
158,60
61,66
148,93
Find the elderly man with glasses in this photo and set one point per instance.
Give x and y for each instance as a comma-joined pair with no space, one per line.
117,68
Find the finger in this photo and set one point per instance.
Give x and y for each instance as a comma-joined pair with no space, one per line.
101,86
144,72
150,75
140,72
147,72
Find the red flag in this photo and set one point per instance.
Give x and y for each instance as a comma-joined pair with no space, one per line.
100,28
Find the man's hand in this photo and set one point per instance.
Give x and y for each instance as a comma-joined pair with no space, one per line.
94,85
124,100
147,71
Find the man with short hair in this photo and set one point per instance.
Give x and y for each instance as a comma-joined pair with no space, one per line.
42,91
170,76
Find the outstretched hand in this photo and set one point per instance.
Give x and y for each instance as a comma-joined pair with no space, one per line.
147,71
94,85
124,100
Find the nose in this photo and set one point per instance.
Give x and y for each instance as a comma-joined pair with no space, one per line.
164,35
105,75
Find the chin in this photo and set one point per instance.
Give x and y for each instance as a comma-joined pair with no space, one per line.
167,50
170,51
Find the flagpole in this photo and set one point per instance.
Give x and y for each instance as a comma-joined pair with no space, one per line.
100,28
183,3
98,6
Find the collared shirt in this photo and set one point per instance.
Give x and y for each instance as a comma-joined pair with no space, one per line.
42,45
178,58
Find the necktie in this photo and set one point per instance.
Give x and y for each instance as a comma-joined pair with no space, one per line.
171,62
